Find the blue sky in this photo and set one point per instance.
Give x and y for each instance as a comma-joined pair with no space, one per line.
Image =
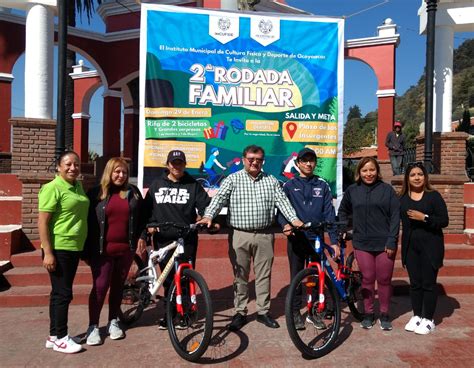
362,17
360,84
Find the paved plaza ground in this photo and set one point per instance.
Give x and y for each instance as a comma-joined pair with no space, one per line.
23,332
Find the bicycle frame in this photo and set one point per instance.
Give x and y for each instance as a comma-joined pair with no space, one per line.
155,282
339,278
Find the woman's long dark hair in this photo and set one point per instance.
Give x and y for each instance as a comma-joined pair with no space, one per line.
406,186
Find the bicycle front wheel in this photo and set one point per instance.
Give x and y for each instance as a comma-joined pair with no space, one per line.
354,287
313,331
135,294
190,332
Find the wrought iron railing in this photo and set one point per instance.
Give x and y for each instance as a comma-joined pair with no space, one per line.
410,156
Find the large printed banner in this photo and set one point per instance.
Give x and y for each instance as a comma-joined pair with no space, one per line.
213,82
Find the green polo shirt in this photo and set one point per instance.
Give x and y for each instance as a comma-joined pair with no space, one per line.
69,206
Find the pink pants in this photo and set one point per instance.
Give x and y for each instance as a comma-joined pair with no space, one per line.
375,266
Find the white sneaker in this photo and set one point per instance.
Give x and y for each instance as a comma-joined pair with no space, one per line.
115,331
426,326
413,323
50,342
66,345
93,336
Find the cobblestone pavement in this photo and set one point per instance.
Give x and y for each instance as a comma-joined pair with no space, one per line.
23,332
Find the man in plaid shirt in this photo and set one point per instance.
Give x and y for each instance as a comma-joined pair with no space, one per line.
251,197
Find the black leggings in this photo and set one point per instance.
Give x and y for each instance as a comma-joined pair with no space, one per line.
423,289
62,279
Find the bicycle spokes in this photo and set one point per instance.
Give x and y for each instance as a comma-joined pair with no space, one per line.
189,312
312,317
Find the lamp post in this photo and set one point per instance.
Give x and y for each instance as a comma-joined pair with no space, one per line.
61,102
431,6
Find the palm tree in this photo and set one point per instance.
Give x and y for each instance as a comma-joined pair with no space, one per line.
81,7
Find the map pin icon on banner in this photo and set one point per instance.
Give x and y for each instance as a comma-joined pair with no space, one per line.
291,129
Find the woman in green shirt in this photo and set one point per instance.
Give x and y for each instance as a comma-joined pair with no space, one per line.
62,224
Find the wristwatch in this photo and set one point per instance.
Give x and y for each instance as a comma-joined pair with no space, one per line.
426,218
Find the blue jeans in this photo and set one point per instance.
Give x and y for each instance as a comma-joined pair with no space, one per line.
396,162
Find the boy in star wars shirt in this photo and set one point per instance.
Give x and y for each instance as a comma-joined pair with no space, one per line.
175,197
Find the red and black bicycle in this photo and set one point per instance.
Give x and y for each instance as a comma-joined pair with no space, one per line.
312,309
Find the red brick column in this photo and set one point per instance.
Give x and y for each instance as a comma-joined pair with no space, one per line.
386,108
81,135
33,144
33,161
112,115
29,208
5,111
451,188
33,147
449,152
86,82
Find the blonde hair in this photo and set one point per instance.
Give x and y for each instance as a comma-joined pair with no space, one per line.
106,182
364,161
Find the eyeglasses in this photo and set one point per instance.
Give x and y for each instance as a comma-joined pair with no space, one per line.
253,159
415,164
307,162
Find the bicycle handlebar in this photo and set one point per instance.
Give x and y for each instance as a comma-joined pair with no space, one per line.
184,228
325,226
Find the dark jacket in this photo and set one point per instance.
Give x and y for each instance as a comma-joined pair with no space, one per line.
168,201
429,234
375,211
395,145
312,200
97,221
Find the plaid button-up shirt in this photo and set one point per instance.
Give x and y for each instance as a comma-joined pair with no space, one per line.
251,202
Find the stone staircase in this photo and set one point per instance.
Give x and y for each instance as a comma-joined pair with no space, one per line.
10,219
28,283
456,277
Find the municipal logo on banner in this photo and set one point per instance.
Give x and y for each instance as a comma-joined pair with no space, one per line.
223,28
265,30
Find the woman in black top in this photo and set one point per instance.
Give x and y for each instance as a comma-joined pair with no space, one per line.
375,211
115,224
424,214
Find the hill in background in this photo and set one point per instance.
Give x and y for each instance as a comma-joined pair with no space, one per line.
410,107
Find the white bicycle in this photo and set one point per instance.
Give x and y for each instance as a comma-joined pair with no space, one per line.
189,307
